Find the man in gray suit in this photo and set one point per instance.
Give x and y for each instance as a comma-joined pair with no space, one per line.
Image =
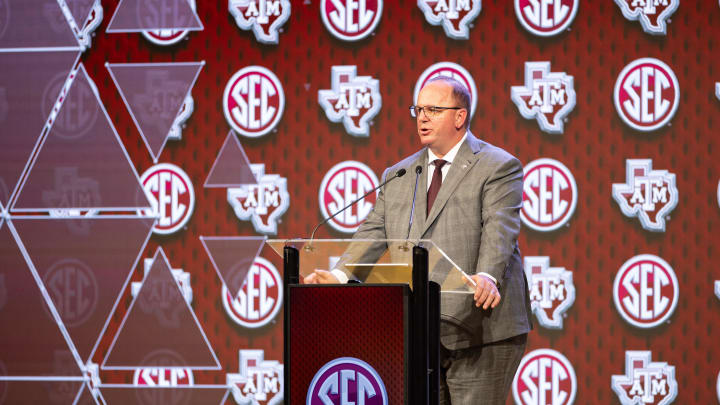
471,212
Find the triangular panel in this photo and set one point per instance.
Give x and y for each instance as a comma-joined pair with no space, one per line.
30,84
231,167
31,341
143,15
84,264
160,320
34,25
39,392
208,395
232,257
82,164
155,94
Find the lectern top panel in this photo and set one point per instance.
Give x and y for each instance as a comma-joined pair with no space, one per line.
376,261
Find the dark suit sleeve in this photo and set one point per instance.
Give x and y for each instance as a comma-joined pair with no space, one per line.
501,203
373,228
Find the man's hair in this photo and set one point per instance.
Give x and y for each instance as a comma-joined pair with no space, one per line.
459,92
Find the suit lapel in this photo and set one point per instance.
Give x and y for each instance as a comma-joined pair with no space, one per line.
459,168
421,196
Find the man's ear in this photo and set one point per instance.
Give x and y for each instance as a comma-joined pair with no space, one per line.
460,117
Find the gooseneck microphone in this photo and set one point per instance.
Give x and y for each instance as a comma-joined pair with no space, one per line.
418,170
399,173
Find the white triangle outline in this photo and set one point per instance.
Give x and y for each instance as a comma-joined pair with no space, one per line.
127,279
43,134
53,312
109,67
94,89
117,31
231,134
159,252
212,259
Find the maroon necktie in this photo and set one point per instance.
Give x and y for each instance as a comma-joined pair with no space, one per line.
435,183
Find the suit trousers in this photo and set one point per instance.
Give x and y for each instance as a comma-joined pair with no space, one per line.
480,375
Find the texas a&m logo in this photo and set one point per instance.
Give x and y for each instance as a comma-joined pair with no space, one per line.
717,289
645,381
253,101
647,194
454,15
351,20
645,291
552,291
546,17
352,99
263,203
549,195
168,36
448,69
646,94
171,196
343,184
347,380
259,298
544,377
546,96
264,17
259,381
652,14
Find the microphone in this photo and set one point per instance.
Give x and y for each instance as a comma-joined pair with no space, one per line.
418,170
399,173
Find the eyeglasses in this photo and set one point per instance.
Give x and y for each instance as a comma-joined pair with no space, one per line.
431,111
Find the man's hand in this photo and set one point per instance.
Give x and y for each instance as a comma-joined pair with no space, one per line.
486,292
320,277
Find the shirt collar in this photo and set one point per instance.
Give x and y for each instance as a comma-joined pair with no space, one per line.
450,156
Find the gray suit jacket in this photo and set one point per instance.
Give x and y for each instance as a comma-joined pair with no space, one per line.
475,221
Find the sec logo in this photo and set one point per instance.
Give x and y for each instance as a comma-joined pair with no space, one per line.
343,184
259,298
171,196
645,291
166,37
347,380
74,290
253,101
351,20
549,195
546,18
451,70
646,94
544,377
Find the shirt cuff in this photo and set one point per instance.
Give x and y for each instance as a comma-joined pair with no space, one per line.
488,276
341,276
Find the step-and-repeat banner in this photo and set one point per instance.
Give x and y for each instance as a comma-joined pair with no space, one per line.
148,148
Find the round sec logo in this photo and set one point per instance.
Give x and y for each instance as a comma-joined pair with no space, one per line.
347,380
451,70
549,195
545,376
645,291
646,94
351,20
259,298
74,290
167,37
253,101
342,185
546,18
171,196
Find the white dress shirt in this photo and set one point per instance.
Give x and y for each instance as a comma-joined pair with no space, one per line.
449,157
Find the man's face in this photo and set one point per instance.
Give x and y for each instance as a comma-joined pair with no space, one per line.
439,132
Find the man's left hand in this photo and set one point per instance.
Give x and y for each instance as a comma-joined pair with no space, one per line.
486,292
